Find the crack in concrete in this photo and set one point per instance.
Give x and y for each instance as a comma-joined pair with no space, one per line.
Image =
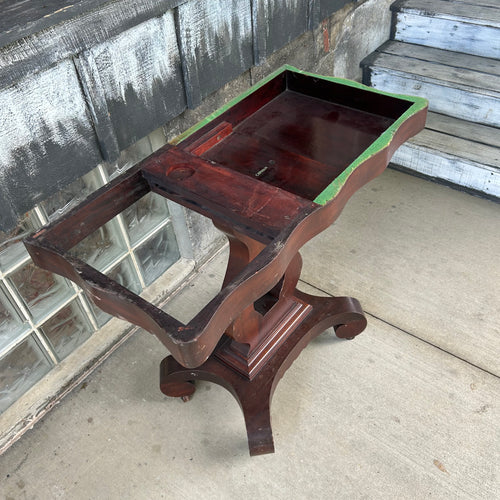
414,335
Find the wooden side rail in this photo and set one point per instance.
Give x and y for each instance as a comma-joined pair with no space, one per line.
228,197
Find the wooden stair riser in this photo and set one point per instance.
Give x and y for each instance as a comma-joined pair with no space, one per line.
449,168
455,26
467,104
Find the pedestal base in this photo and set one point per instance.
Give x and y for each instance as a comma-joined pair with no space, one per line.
254,389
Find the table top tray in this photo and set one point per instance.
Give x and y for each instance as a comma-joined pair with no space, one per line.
301,132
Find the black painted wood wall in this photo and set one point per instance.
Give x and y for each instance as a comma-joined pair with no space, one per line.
81,80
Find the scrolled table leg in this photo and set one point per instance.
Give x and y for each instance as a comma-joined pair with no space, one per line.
173,380
351,329
353,319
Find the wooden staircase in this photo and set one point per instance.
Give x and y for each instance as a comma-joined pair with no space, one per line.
449,52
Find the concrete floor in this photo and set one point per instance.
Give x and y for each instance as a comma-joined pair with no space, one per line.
409,409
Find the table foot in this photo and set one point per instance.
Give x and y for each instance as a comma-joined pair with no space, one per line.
257,415
172,384
346,316
254,400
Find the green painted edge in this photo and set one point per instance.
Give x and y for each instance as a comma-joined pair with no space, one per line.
419,103
230,104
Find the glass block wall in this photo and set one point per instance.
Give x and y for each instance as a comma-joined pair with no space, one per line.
43,317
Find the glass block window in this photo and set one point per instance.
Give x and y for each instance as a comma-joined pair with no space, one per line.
39,290
11,321
157,253
44,317
67,329
101,247
21,368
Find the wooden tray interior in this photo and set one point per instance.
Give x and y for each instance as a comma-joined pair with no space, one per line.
299,133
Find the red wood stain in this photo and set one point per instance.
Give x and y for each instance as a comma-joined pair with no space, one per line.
326,36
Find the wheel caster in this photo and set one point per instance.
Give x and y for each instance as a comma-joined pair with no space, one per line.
181,389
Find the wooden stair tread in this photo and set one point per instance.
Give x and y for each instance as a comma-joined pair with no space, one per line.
474,132
446,142
452,69
446,58
481,12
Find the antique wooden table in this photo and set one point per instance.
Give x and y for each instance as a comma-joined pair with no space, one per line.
272,169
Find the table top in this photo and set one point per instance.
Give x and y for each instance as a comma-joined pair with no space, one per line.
301,132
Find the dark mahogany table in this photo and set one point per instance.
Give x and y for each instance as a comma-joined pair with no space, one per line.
272,169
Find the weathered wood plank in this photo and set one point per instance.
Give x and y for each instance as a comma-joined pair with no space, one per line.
444,78
458,101
475,132
20,18
456,151
37,52
481,3
135,81
46,139
97,106
476,12
215,42
459,147
449,34
449,167
446,59
276,23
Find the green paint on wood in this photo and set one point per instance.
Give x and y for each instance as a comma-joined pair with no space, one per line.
230,104
418,104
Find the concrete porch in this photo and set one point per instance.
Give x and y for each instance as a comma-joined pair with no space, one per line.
409,409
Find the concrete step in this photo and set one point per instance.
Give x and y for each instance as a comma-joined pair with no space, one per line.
471,27
459,85
456,151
